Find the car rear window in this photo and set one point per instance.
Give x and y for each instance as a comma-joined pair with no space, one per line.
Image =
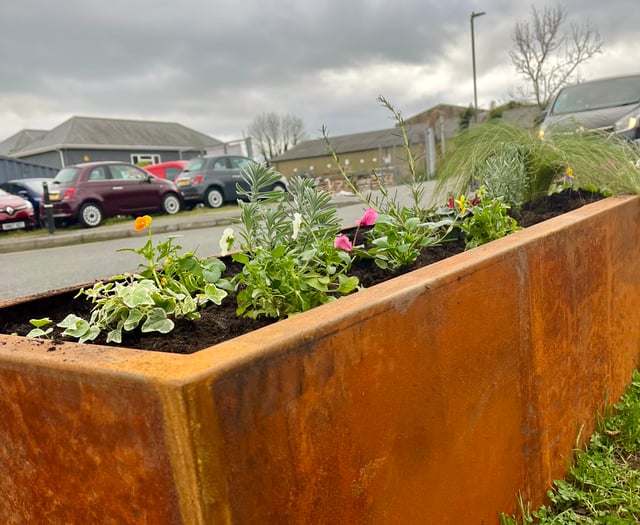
597,95
66,175
194,164
35,185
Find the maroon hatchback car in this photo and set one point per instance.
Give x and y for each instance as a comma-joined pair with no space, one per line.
90,192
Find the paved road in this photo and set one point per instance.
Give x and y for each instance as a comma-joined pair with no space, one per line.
69,258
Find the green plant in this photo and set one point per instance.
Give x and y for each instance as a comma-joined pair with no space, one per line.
487,219
504,176
597,160
169,285
291,260
602,484
400,232
397,240
40,330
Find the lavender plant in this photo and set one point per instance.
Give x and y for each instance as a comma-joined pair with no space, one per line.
288,250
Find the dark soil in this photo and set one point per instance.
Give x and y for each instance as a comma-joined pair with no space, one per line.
220,323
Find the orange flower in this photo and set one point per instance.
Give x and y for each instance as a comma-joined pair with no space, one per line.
142,223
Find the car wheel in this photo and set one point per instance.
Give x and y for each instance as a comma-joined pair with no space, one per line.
280,188
90,215
214,198
170,204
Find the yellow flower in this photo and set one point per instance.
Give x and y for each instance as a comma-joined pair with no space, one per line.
569,172
141,223
167,261
163,281
462,203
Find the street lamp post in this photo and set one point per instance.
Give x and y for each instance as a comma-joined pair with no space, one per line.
473,60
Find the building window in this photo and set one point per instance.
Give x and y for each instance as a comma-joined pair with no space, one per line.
145,159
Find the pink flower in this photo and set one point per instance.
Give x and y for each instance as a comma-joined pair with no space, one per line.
342,242
369,218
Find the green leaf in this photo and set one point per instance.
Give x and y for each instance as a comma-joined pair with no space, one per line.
132,321
138,294
39,323
78,329
214,294
39,332
279,251
90,334
240,258
70,321
348,284
115,335
157,322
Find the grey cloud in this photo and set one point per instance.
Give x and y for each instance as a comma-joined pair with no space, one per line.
218,64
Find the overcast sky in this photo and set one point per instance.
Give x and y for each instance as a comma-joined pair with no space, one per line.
215,65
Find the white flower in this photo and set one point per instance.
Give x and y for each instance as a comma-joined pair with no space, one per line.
226,242
297,222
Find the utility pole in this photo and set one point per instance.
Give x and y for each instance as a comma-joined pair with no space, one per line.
473,60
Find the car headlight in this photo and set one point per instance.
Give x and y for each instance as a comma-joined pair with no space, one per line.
630,121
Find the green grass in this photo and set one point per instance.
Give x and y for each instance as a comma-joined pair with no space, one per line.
603,484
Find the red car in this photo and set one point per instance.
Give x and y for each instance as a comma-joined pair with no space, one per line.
16,213
90,192
167,170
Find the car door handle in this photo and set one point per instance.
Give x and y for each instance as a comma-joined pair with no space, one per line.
117,187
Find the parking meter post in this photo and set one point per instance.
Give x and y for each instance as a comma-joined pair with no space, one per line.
48,208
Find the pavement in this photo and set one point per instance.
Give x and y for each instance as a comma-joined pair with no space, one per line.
204,218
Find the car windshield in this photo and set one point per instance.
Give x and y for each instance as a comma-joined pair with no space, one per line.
66,175
597,95
194,164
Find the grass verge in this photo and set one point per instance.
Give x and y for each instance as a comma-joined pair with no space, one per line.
603,485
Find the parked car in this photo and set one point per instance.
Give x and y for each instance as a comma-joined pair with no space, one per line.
212,180
167,170
30,189
16,213
609,105
90,192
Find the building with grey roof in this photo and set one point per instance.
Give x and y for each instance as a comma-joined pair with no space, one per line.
83,139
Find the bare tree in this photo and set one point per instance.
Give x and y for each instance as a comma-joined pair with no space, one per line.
547,57
274,134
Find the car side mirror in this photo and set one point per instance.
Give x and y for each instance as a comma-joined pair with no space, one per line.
149,177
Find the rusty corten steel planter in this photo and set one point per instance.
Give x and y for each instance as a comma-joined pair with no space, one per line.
435,397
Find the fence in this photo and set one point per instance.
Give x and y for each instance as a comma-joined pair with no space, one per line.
16,169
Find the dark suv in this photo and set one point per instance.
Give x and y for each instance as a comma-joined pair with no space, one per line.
608,105
213,180
90,192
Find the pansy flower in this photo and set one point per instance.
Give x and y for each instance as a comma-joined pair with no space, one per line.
226,242
462,203
296,223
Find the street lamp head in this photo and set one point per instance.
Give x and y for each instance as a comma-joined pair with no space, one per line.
474,15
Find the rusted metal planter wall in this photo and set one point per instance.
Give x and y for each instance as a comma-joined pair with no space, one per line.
432,398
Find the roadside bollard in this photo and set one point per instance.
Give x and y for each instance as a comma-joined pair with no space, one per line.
48,208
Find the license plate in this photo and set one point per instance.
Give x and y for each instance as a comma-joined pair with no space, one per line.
54,196
184,182
13,225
